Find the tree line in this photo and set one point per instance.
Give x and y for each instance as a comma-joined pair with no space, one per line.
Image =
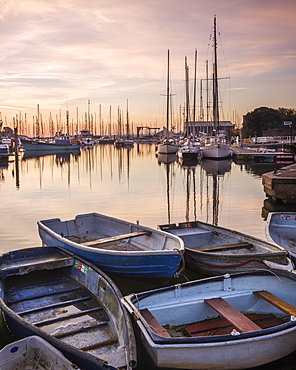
265,121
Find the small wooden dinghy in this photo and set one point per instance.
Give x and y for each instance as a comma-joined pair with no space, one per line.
116,246
33,353
281,229
214,250
48,292
225,322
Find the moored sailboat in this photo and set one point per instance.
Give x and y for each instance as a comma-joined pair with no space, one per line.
168,145
213,146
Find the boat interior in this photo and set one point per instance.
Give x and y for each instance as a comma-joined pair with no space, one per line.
227,320
51,295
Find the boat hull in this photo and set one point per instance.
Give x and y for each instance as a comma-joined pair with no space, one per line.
70,303
167,148
207,251
186,303
146,257
43,146
4,150
281,229
216,151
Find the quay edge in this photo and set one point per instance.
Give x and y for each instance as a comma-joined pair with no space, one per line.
281,184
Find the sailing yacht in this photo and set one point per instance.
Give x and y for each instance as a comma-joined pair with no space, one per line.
168,145
213,147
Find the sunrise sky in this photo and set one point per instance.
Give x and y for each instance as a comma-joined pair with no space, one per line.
60,54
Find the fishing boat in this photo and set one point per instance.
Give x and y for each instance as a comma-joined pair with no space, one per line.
32,353
214,250
281,229
225,322
115,245
70,303
213,146
57,145
168,145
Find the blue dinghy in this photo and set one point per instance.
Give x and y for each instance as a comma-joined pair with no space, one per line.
116,246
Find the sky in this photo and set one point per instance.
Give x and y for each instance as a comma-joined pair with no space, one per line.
102,57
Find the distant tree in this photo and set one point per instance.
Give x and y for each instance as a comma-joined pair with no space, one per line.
263,119
287,114
7,131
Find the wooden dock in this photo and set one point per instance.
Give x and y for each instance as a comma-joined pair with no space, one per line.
261,155
281,184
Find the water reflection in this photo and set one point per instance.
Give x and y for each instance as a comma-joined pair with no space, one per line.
167,160
132,184
37,154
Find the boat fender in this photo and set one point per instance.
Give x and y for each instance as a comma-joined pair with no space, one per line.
235,332
293,318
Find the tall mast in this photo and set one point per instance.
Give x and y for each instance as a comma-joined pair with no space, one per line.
187,96
127,120
168,93
215,81
194,88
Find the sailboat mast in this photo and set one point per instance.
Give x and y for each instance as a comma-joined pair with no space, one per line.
187,96
194,88
168,93
215,80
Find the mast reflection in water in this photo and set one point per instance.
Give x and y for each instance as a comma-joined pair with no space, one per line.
131,184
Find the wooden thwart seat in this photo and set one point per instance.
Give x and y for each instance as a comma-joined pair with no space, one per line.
232,315
277,302
226,246
115,238
152,321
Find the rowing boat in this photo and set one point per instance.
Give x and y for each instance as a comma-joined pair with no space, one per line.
281,229
70,303
225,322
33,353
116,246
214,250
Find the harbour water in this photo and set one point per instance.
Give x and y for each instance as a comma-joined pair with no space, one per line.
135,185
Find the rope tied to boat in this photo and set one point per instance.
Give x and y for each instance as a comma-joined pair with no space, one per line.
178,273
223,266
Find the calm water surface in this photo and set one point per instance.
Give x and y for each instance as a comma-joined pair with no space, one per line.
131,184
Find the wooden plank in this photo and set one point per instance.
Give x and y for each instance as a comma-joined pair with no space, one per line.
225,246
115,238
277,302
152,321
232,315
54,305
222,326
66,316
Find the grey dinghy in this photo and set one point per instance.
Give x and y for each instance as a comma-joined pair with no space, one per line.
214,250
226,322
33,353
48,292
281,229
